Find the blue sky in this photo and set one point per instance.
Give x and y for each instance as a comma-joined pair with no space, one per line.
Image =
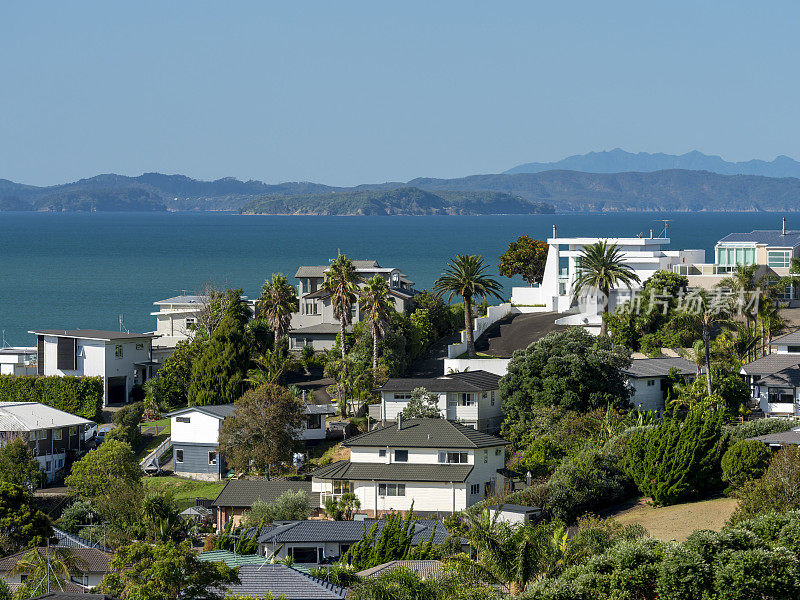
351,92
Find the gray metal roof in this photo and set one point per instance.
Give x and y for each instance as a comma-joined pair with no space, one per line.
769,237
467,381
29,416
319,530
426,433
791,437
319,409
245,492
424,568
319,270
515,508
15,350
659,367
59,595
771,363
788,377
789,339
282,581
186,299
220,411
363,471
320,328
92,334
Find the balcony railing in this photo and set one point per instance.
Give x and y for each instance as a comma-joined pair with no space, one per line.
703,269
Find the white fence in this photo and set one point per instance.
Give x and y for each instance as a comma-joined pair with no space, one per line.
481,324
498,366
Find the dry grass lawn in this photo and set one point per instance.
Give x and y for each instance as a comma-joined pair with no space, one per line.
679,521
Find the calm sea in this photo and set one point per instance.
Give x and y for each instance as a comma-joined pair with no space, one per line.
85,270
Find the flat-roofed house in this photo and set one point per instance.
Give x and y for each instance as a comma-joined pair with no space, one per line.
648,377
18,360
55,437
121,359
437,465
470,397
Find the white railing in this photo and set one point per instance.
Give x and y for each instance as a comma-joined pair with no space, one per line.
480,325
153,457
703,269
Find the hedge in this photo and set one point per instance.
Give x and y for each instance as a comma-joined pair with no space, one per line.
81,396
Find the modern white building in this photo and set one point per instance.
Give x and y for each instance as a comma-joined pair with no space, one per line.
645,255
55,437
121,359
471,398
647,378
175,319
314,324
439,466
18,361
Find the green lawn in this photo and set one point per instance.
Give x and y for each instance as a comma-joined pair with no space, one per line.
151,442
184,488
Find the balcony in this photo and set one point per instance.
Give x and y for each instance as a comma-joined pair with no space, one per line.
703,269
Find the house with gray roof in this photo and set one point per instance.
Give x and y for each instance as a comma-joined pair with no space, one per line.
283,581
314,324
471,398
425,569
780,439
772,370
239,495
779,394
437,465
91,565
648,379
321,541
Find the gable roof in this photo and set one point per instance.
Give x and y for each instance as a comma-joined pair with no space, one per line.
782,437
788,339
771,363
789,377
424,568
219,411
346,531
319,270
426,433
185,299
345,470
89,560
467,381
73,595
29,416
769,237
283,581
660,367
93,334
245,492
231,559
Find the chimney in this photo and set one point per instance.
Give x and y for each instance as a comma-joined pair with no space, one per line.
399,421
783,226
554,231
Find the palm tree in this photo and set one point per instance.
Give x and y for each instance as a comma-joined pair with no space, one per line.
341,282
465,276
271,367
602,267
375,301
277,302
47,569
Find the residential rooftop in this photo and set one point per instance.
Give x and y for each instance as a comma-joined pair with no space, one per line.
322,530
245,492
769,237
788,339
345,470
92,334
426,433
219,411
283,581
30,416
788,377
230,558
466,381
425,569
771,363
184,299
660,367
781,438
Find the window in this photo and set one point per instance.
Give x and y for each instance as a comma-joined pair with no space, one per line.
402,396
778,258
306,554
651,382
354,311
212,458
485,456
311,308
453,457
59,463
47,466
498,451
382,452
73,431
118,351
475,488
183,419
492,397
342,487
730,257
32,436
178,456
314,422
401,456
140,346
190,322
40,434
57,434
66,354
391,489
466,399
778,395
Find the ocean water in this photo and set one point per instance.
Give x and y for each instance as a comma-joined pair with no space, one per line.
76,270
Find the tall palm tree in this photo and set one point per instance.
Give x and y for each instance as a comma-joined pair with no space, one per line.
743,280
602,267
375,301
341,282
48,569
277,302
466,276
270,367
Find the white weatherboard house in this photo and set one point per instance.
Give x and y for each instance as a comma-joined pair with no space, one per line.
471,398
195,437
439,466
54,436
18,361
769,375
121,359
314,324
647,378
645,255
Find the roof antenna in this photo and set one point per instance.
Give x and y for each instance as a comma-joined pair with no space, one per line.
121,326
783,227
5,344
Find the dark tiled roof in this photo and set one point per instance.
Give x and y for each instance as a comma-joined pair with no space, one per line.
424,568
784,437
789,377
426,433
92,334
88,560
73,595
282,581
350,471
219,411
319,409
346,531
659,367
789,339
468,381
771,363
770,237
244,492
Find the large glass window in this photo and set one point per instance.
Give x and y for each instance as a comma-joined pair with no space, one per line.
401,456
391,489
727,256
781,395
778,258
453,457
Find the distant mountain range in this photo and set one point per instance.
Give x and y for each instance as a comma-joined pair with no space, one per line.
504,193
620,161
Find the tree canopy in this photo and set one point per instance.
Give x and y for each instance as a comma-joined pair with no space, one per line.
525,257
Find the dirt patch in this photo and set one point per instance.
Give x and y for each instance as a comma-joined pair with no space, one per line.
679,521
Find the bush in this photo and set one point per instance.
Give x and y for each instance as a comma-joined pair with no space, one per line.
682,574
127,421
778,489
744,461
758,573
751,429
289,506
81,396
75,516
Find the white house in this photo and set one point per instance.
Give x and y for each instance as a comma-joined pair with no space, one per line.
121,359
195,437
786,354
514,514
89,567
175,318
779,394
55,437
439,466
471,398
18,361
647,378
645,255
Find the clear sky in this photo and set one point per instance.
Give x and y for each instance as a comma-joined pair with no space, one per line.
349,92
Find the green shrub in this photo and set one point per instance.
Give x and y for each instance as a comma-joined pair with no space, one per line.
127,421
744,461
758,573
683,574
777,490
81,396
751,429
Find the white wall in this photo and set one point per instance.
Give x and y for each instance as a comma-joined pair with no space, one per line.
498,366
201,429
480,325
647,397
